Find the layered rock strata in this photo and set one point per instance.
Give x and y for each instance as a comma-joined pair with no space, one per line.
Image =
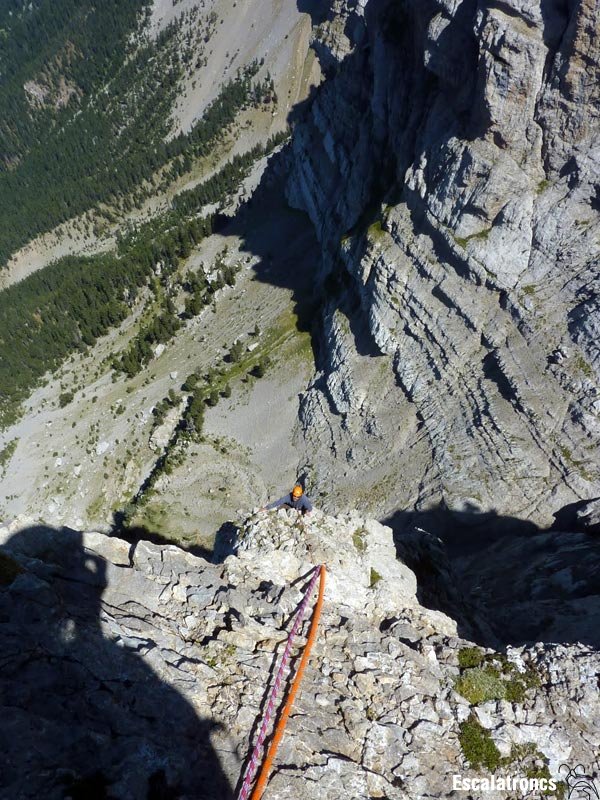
449,163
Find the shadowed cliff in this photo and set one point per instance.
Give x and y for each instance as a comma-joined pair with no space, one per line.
84,714
526,583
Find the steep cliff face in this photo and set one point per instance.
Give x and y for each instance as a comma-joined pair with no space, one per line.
141,671
449,164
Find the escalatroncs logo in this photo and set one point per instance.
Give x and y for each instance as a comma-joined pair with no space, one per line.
580,785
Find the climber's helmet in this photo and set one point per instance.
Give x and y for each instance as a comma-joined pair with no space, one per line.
297,492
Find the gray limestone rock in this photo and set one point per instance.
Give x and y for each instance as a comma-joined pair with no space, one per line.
449,164
588,516
147,678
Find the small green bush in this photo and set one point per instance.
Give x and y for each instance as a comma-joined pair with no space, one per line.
7,453
470,657
374,578
480,684
259,369
463,241
358,540
492,677
236,351
65,398
190,383
478,746
376,230
520,683
582,364
213,397
542,186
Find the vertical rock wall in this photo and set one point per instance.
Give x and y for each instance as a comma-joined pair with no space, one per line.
449,164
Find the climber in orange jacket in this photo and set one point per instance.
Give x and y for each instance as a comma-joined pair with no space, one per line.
296,499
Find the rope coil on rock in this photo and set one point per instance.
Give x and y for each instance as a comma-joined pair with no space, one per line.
280,726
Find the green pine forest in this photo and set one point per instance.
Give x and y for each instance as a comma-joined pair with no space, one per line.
108,141
101,147
65,307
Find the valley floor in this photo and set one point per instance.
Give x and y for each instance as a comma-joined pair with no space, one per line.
82,463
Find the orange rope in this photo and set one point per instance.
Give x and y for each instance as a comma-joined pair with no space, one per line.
263,775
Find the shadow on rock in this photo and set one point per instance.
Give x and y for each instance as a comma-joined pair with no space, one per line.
503,579
317,9
83,715
280,238
225,541
140,533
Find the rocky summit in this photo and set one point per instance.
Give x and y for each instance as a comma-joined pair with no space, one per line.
141,671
